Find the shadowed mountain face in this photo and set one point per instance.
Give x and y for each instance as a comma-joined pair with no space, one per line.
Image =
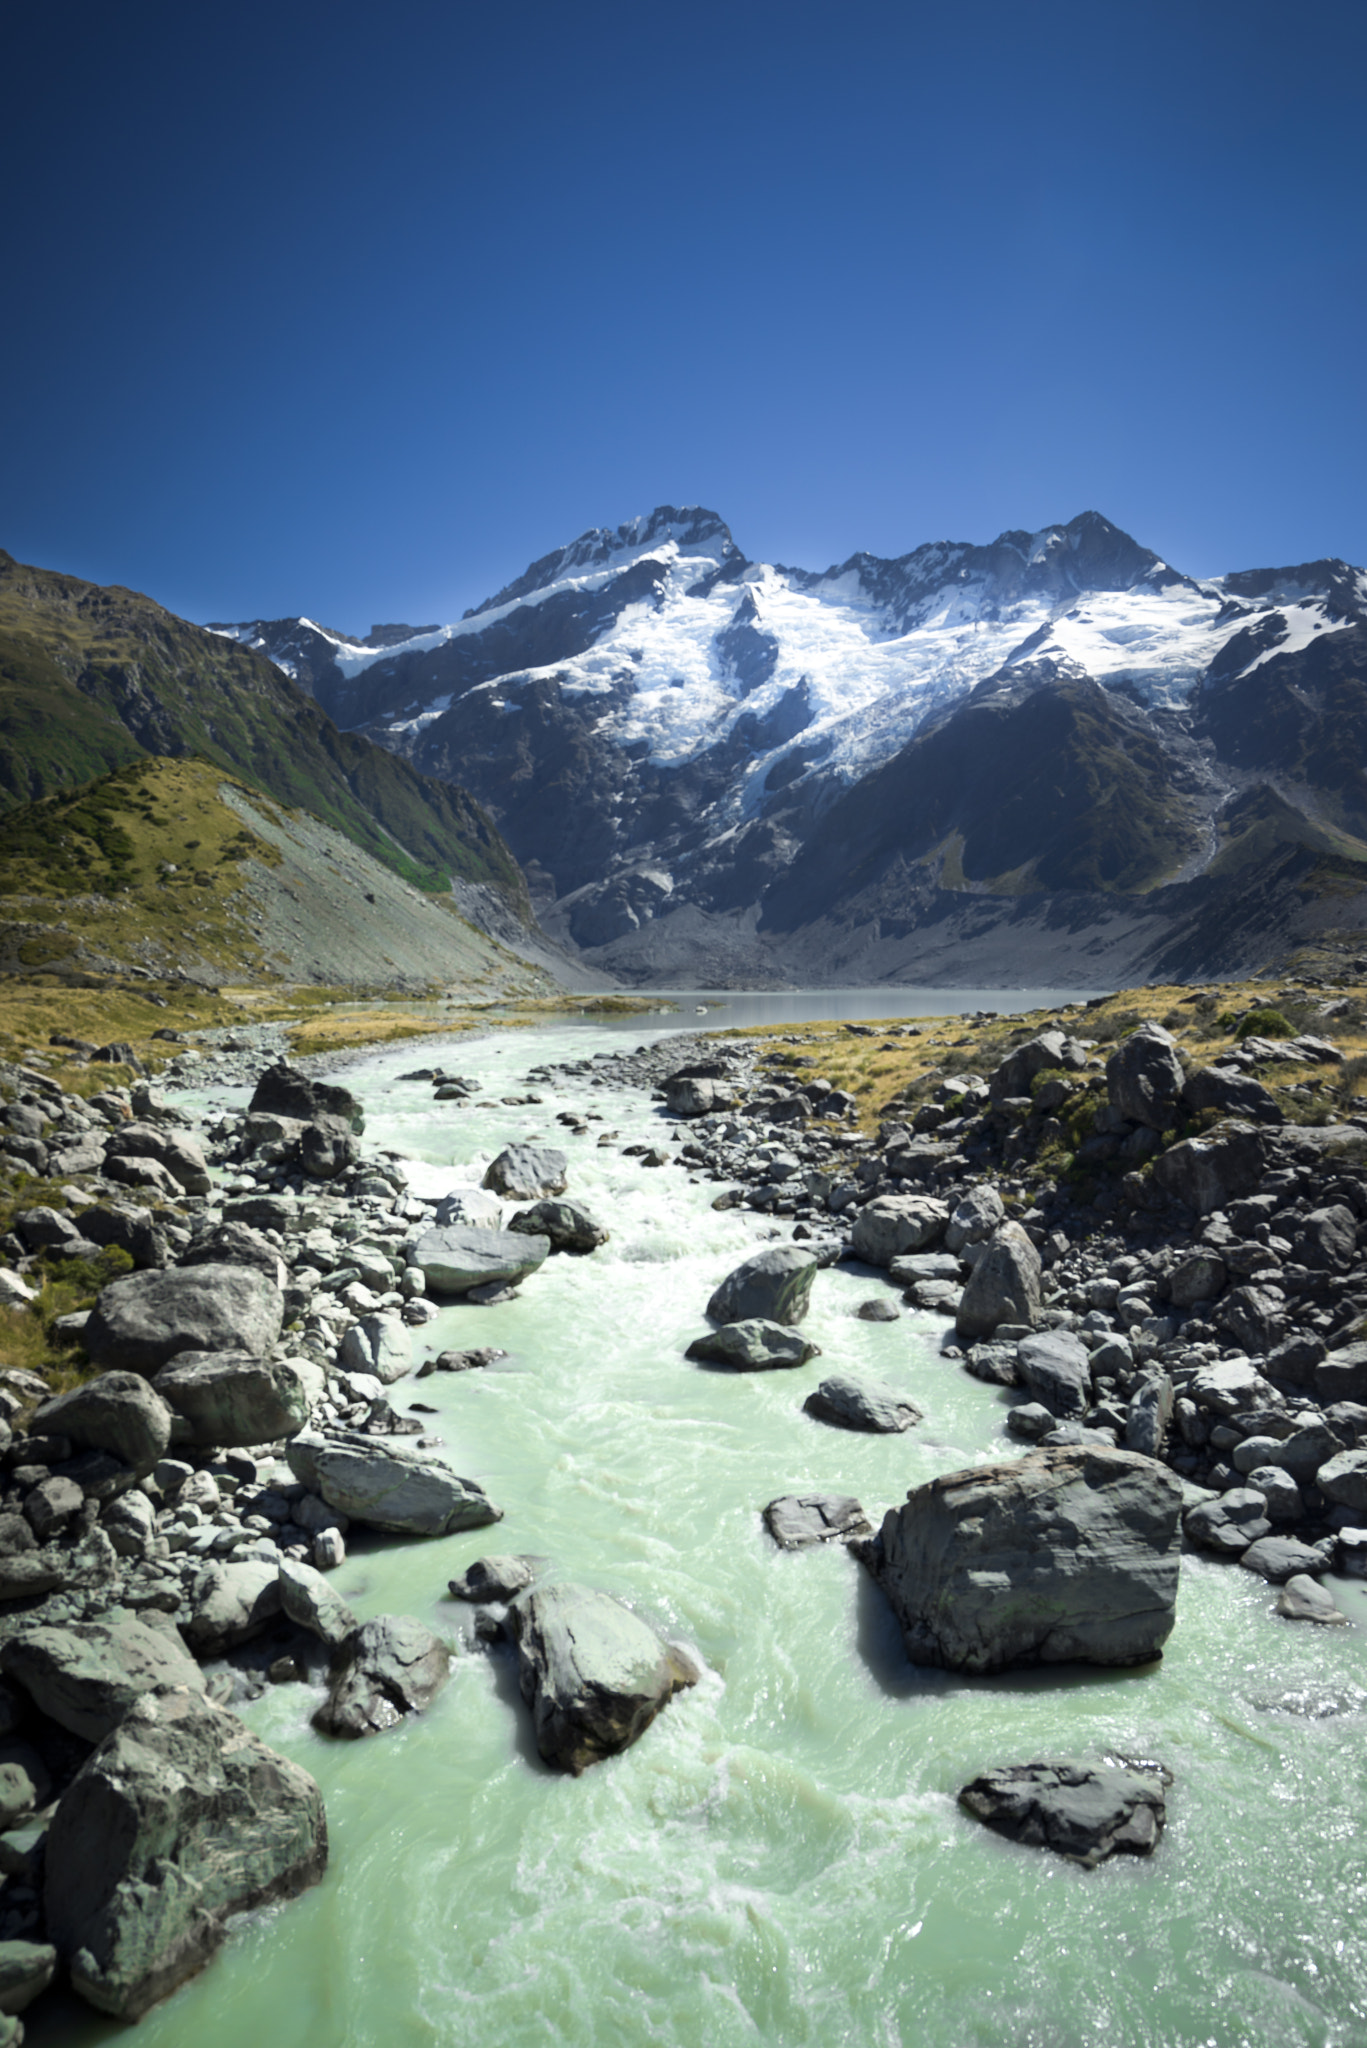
95,677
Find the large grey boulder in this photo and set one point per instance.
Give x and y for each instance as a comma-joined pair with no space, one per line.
1327,1238
1082,1808
1004,1286
1343,1479
392,1667
1342,1376
1228,1524
1144,1077
379,1344
237,1244
1232,1093
327,1147
87,1679
474,1207
180,1154
1205,1174
230,1603
178,1819
26,1970
524,1173
1065,1555
867,1405
593,1673
979,1213
229,1397
309,1601
118,1412
1199,1276
144,1320
568,1225
691,1095
1149,1416
1019,1068
754,1345
285,1091
891,1225
456,1257
1056,1367
775,1284
384,1483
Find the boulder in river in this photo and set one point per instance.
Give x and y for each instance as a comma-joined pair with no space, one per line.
593,1673
143,1320
753,1345
1304,1599
862,1404
496,1577
798,1520
524,1173
775,1284
178,1819
457,1258
1067,1554
568,1225
391,1667
1081,1808
388,1485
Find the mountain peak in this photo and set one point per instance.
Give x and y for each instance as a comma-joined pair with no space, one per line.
693,528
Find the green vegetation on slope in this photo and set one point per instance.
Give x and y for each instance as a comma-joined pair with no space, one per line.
93,677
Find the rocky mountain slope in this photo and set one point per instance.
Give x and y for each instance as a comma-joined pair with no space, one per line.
947,764
168,872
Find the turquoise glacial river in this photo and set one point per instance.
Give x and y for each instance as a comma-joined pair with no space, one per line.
781,1858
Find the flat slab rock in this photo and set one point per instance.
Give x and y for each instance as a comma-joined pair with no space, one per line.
1083,1809
867,1405
594,1674
754,1345
798,1520
388,1485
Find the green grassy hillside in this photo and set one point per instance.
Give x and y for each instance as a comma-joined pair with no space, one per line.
92,678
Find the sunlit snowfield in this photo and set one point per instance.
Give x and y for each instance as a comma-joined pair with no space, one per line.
780,1858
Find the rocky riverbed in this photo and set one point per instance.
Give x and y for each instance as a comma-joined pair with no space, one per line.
1188,1332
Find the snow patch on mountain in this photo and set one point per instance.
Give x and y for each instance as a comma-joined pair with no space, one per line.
1299,623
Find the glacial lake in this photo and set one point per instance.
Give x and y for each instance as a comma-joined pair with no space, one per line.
781,1858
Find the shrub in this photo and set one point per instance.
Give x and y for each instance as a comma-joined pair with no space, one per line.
1119,1024
1264,1024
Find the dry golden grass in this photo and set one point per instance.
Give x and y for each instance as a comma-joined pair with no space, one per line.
888,1075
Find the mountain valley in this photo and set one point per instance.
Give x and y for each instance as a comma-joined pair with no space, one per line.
1048,754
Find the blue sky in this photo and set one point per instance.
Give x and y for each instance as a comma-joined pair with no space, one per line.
354,310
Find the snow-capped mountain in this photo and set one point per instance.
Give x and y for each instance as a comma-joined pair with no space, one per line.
658,723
